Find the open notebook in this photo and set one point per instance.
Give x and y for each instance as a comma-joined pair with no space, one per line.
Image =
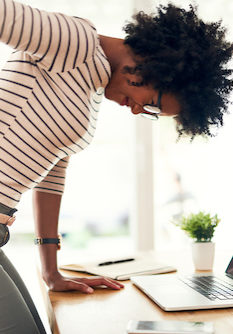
123,268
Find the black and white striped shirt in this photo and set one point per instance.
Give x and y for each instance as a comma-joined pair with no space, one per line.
50,91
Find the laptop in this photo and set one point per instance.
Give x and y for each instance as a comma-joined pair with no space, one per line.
192,292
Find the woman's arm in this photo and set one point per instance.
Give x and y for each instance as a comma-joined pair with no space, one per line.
46,214
55,41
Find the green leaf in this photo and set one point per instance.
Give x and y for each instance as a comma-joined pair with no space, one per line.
200,226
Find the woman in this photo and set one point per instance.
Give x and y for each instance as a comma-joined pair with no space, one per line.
169,64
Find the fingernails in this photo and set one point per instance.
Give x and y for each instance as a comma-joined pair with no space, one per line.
90,290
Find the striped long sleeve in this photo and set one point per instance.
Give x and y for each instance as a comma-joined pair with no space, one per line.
56,178
45,36
50,92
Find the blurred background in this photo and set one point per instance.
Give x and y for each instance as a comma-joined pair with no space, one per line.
124,190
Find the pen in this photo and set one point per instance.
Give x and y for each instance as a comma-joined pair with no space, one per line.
115,262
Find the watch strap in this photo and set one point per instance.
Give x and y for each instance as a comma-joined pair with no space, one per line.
42,241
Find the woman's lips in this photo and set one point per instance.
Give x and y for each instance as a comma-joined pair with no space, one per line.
125,102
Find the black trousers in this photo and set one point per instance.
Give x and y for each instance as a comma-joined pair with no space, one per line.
18,314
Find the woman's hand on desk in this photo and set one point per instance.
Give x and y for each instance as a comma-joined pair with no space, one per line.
85,285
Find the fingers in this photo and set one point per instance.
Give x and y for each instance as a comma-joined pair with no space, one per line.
71,285
97,281
81,287
115,282
84,285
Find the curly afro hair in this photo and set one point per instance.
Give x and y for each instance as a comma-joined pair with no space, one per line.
184,56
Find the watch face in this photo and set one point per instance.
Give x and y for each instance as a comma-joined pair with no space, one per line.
4,234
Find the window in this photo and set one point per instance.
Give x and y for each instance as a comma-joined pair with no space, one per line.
194,176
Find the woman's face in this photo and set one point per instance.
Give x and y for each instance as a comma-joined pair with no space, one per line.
122,92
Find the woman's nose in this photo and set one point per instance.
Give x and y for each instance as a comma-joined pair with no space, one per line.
136,109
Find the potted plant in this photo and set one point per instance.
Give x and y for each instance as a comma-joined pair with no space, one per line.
201,227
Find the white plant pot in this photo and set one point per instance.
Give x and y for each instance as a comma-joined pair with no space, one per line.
203,255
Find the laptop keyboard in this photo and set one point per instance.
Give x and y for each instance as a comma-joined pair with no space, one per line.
210,286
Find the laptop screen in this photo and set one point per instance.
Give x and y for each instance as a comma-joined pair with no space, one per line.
229,269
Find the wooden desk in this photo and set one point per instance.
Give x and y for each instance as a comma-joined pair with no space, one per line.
108,312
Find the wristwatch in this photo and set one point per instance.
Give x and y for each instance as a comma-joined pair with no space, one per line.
42,241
